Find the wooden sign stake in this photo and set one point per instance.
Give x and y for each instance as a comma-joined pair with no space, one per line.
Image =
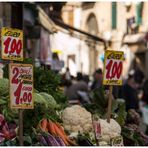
109,103
21,141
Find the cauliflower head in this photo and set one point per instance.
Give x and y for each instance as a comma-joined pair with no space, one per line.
77,119
109,130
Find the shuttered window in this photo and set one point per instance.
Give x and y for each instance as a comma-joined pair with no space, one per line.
139,7
114,15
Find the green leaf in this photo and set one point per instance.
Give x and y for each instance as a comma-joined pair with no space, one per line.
27,140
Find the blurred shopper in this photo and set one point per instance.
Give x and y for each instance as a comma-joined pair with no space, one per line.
72,91
129,93
67,74
139,76
98,78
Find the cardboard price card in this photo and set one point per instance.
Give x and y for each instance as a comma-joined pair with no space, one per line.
12,44
97,128
113,67
21,86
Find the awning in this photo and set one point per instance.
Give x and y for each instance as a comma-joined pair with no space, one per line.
45,21
134,38
70,28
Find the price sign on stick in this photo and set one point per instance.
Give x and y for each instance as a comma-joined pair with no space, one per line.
112,75
12,44
113,67
21,86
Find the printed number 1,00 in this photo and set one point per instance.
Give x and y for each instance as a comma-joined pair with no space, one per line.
114,69
14,46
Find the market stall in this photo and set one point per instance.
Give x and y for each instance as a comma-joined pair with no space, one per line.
35,111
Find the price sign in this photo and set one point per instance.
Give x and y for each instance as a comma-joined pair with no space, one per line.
97,128
12,44
21,86
113,67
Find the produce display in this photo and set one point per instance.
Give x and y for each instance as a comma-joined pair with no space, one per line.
133,136
55,134
54,122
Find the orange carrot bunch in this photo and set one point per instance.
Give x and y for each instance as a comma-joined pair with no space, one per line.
56,130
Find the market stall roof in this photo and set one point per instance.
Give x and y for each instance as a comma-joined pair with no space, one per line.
134,38
45,21
68,27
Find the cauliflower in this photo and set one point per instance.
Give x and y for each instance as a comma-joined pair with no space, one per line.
115,127
77,119
109,130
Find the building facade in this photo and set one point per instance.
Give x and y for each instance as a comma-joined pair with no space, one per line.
123,25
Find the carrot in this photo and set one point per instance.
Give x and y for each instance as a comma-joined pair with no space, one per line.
44,124
60,134
60,127
66,137
50,127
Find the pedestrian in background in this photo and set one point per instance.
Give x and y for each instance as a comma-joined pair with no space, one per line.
80,85
129,93
67,74
98,78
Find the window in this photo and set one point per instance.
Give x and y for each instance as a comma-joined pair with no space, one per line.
71,18
139,7
92,25
114,15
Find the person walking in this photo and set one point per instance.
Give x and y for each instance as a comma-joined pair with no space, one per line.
80,85
98,78
129,93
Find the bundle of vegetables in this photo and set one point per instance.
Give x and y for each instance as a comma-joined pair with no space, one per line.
99,105
55,134
44,107
6,132
83,140
51,102
49,82
131,133
77,119
4,87
9,114
4,91
99,102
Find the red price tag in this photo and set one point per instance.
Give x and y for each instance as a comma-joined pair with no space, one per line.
12,44
113,68
21,85
97,128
